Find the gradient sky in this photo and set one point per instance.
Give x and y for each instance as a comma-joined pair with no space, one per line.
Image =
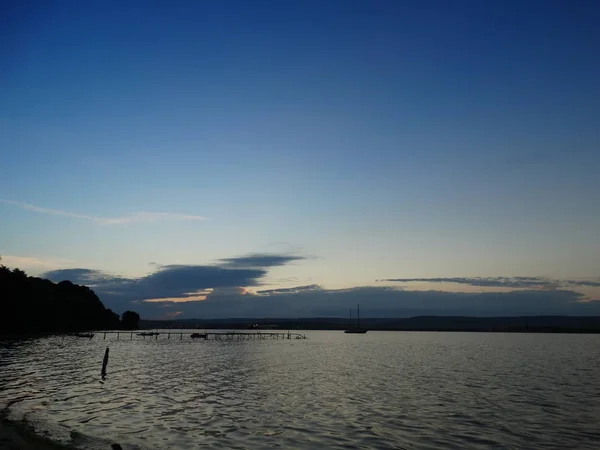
370,139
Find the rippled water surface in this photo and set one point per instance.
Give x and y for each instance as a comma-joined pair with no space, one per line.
334,390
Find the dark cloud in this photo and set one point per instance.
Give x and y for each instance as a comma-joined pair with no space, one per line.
167,282
174,281
293,290
173,278
583,283
223,283
88,277
260,260
383,302
509,282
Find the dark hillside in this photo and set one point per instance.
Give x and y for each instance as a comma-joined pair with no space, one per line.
36,305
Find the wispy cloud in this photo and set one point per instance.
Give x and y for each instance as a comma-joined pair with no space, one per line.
191,298
130,218
261,260
292,290
33,262
507,282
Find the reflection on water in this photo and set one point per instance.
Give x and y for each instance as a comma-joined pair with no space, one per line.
335,390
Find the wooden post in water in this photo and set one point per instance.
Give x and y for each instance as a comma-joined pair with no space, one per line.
180,336
131,336
169,336
105,362
105,335
156,338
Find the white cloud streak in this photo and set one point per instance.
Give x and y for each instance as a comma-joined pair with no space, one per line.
32,262
130,218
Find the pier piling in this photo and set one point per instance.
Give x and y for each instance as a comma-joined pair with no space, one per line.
217,335
104,363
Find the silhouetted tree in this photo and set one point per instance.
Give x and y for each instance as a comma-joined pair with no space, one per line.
35,305
112,319
19,273
130,320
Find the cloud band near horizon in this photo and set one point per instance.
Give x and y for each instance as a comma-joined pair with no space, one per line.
218,291
506,282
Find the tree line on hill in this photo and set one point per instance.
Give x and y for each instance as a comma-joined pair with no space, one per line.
35,305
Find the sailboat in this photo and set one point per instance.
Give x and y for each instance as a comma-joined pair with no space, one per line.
357,329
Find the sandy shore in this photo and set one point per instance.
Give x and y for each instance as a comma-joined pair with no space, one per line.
17,436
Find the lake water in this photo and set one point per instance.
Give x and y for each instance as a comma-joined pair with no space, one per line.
379,390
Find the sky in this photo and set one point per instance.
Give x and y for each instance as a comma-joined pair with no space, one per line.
266,158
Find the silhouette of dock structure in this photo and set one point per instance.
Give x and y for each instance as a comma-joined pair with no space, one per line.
203,336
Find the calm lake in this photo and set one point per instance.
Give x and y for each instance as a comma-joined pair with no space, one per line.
380,390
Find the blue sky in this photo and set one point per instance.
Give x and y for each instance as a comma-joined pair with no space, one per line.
369,139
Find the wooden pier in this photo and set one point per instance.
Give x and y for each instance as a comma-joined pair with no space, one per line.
202,336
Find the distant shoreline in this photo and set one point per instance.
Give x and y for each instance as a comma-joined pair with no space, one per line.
517,324
422,330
